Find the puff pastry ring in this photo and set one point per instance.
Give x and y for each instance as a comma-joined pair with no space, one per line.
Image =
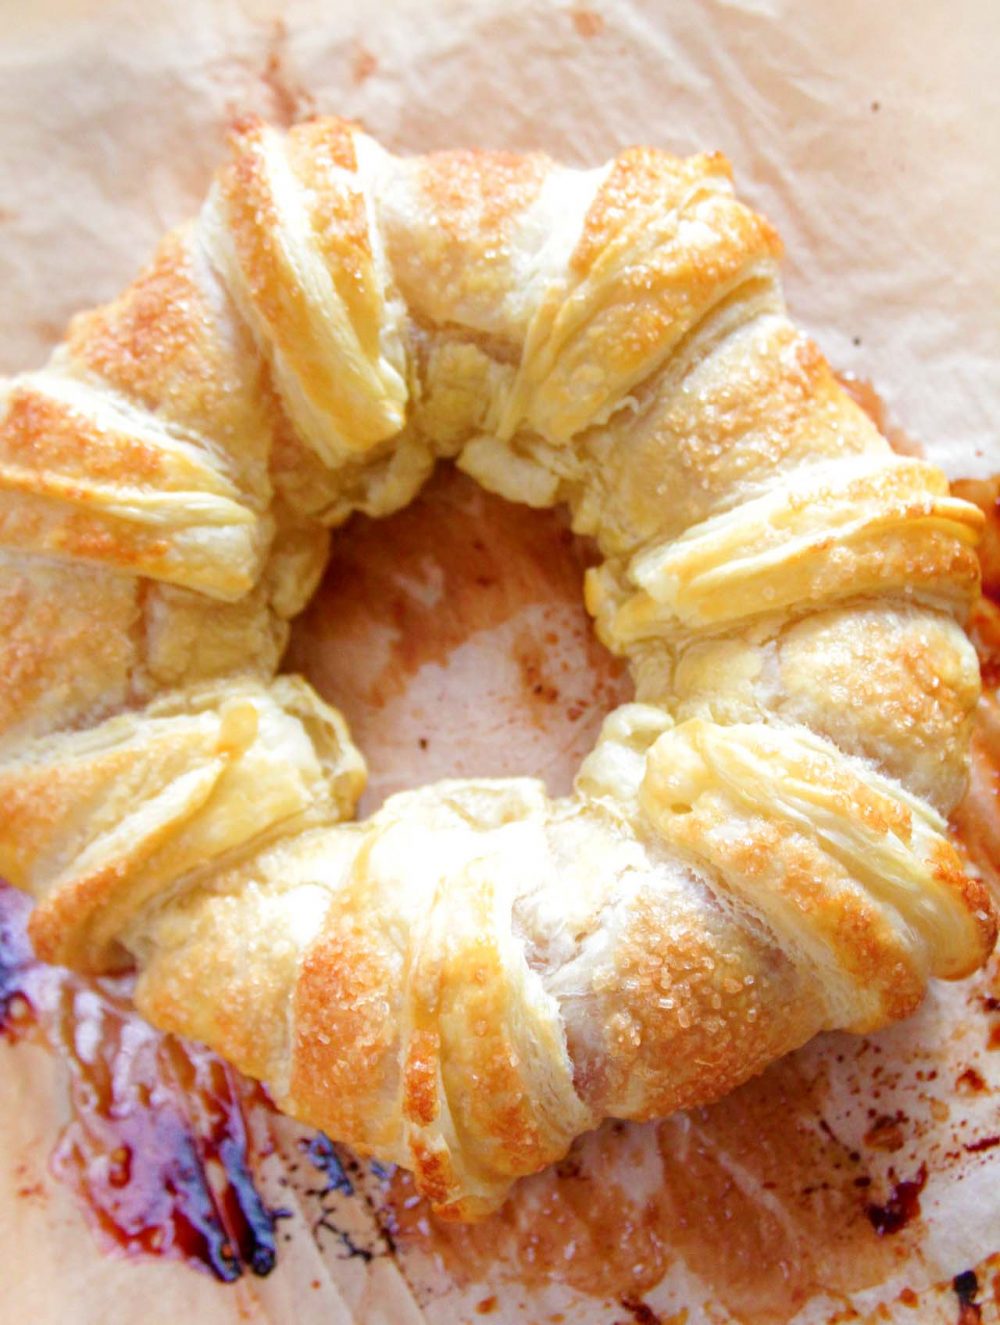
756,849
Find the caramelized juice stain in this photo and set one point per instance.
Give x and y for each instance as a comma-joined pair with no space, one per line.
159,1144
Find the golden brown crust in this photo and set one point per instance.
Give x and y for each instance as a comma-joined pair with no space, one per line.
894,688
67,644
254,224
420,1077
677,244
326,358
345,1027
479,1013
170,344
477,974
706,1001
464,213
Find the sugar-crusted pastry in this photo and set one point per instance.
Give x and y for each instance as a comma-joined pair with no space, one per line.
757,848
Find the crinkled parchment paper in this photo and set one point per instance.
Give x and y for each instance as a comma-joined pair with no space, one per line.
870,134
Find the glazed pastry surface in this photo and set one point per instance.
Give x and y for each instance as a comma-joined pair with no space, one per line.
757,848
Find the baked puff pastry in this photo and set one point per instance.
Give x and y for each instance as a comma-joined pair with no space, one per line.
757,848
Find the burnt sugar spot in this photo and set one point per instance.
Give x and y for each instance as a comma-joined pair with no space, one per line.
901,1207
970,1082
641,1312
966,1286
983,1143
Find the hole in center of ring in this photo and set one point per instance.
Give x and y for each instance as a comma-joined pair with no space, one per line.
453,637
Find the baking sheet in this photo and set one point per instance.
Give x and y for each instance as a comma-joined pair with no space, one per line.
869,134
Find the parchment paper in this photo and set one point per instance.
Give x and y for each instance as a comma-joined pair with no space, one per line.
870,134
